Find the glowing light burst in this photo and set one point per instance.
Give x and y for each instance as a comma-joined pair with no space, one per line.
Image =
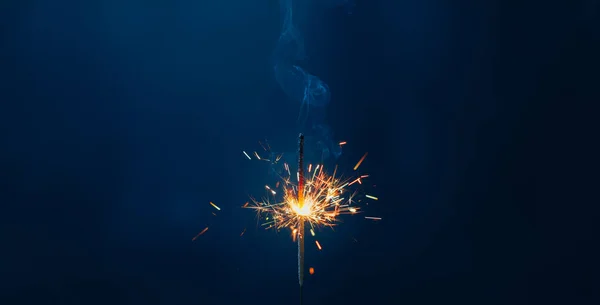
317,199
325,198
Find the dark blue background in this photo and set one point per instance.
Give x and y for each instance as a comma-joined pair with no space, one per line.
120,120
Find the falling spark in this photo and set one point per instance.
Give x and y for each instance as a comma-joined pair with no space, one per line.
246,155
371,197
201,232
257,156
372,218
215,206
245,204
312,232
360,161
318,245
343,143
244,231
311,270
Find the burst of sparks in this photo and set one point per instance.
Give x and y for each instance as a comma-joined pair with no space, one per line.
323,202
325,198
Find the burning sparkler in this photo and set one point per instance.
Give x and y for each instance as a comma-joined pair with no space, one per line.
316,200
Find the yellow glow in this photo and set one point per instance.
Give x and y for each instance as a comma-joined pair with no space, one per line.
324,197
305,210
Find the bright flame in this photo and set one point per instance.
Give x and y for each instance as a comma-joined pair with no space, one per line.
305,210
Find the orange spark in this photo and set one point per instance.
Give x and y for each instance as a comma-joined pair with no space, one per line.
311,270
318,245
354,181
360,161
201,232
215,206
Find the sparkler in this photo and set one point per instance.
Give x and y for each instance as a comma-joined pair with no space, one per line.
315,201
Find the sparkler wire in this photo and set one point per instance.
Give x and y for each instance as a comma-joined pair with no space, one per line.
300,193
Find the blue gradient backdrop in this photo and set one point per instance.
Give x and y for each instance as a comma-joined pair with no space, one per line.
120,120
